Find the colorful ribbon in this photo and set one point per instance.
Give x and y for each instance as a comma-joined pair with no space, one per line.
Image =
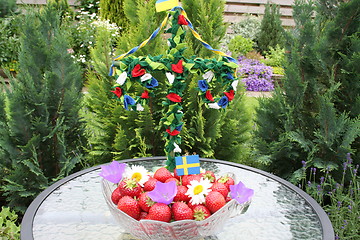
155,33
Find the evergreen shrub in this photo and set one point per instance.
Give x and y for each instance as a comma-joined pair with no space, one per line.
311,118
9,229
7,7
271,31
41,138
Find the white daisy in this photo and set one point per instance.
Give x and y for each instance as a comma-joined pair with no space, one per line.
198,190
138,173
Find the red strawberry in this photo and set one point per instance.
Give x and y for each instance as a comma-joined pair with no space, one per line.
130,187
143,215
149,185
201,212
176,176
221,188
159,212
214,201
192,206
145,202
180,194
186,179
129,206
181,211
227,181
210,176
173,179
162,174
228,198
115,196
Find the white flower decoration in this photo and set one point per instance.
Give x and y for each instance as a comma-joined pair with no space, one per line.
170,77
235,84
177,148
138,173
198,190
122,78
208,76
214,106
146,77
139,107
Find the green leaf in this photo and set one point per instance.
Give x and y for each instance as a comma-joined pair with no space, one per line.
231,64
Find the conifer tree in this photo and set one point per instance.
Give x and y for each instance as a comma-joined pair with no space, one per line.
271,31
306,120
113,10
208,20
44,130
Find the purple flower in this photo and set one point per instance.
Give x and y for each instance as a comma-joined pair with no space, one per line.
113,172
303,164
128,101
241,193
153,83
163,192
223,102
203,85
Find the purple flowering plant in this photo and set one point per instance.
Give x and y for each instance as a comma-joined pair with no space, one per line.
256,75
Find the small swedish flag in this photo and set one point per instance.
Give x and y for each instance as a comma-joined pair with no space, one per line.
163,5
187,165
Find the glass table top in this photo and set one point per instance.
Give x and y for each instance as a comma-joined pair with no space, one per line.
77,210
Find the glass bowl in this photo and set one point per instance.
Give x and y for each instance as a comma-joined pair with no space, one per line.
177,230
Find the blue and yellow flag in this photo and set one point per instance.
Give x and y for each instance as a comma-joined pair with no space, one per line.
187,165
163,5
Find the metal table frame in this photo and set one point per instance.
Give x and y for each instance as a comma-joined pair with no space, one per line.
27,222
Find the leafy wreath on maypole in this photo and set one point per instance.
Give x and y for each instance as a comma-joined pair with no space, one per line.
215,73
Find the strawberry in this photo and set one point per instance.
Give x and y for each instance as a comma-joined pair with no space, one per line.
227,181
145,202
129,206
115,196
181,211
160,212
186,179
149,185
228,198
130,187
221,188
210,176
143,215
162,174
201,212
176,176
192,206
173,179
214,201
180,194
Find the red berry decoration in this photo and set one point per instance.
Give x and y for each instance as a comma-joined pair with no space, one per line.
180,194
173,179
201,212
145,202
214,201
181,211
130,187
227,181
186,179
210,176
162,174
129,206
221,188
143,215
149,185
115,196
160,212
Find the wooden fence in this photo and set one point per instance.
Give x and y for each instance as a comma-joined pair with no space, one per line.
234,9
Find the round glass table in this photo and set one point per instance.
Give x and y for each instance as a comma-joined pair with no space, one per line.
74,208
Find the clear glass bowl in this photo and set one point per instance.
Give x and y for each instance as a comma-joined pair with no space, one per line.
177,230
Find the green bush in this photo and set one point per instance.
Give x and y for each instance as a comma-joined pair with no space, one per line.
275,57
271,31
9,230
9,42
240,46
7,7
